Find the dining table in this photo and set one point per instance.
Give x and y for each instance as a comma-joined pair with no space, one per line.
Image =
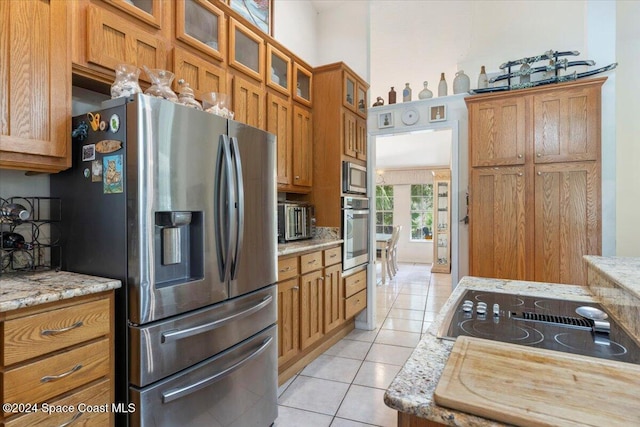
382,244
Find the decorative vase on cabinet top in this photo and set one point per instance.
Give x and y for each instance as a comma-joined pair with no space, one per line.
483,82
406,93
425,93
461,83
442,86
392,96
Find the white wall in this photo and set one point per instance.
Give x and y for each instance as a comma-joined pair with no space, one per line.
628,129
295,26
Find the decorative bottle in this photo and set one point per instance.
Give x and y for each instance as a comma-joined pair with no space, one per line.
483,82
425,93
187,97
392,96
461,83
442,86
406,93
14,212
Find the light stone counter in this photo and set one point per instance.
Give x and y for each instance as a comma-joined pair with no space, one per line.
412,389
29,289
306,245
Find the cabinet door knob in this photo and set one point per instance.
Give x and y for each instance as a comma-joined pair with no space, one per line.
538,154
519,156
295,288
520,173
539,173
297,176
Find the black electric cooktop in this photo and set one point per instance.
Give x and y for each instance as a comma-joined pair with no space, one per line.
544,323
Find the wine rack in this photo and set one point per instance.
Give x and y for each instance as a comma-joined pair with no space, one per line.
41,233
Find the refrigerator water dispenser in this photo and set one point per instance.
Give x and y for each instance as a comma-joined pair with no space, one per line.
179,245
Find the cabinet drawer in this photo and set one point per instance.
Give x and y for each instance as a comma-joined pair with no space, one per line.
42,333
287,268
98,394
355,304
310,262
28,383
355,283
332,256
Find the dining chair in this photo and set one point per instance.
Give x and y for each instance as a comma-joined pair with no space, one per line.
392,251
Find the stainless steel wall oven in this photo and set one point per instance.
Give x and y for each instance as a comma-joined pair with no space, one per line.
355,231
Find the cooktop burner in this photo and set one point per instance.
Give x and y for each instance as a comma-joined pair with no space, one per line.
543,323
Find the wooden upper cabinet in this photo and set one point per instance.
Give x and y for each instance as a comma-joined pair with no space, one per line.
567,226
202,75
279,123
35,85
349,134
246,50
302,147
302,83
248,102
148,11
498,223
278,70
112,40
202,25
498,133
361,139
565,125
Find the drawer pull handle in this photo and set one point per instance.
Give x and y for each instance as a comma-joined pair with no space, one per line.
61,330
72,420
313,261
284,270
333,255
48,378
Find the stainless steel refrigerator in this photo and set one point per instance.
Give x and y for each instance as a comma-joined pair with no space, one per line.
180,205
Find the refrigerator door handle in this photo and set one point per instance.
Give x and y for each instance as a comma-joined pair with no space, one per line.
177,334
239,237
175,394
223,221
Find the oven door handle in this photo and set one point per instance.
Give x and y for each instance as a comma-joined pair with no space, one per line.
175,394
178,334
359,211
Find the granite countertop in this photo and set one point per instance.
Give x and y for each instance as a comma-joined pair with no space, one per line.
624,271
306,245
412,389
18,290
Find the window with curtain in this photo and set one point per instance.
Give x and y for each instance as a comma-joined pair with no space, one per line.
421,211
384,209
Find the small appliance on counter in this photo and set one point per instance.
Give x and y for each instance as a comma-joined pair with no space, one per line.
296,221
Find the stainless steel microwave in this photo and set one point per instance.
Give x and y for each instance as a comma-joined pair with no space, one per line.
354,178
296,221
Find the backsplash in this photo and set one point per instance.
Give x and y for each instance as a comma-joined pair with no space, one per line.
331,233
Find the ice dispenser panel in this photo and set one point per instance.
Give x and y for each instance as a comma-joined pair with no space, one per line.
179,243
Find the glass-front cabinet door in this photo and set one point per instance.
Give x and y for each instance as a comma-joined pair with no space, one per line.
246,50
201,25
442,215
278,70
349,91
362,100
149,11
302,81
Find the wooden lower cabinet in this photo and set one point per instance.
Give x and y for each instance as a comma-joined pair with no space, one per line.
498,208
59,353
567,208
311,306
288,320
333,297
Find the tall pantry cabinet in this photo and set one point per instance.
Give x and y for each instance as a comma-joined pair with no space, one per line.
535,186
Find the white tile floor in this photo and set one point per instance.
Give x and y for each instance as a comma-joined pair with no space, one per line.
344,387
